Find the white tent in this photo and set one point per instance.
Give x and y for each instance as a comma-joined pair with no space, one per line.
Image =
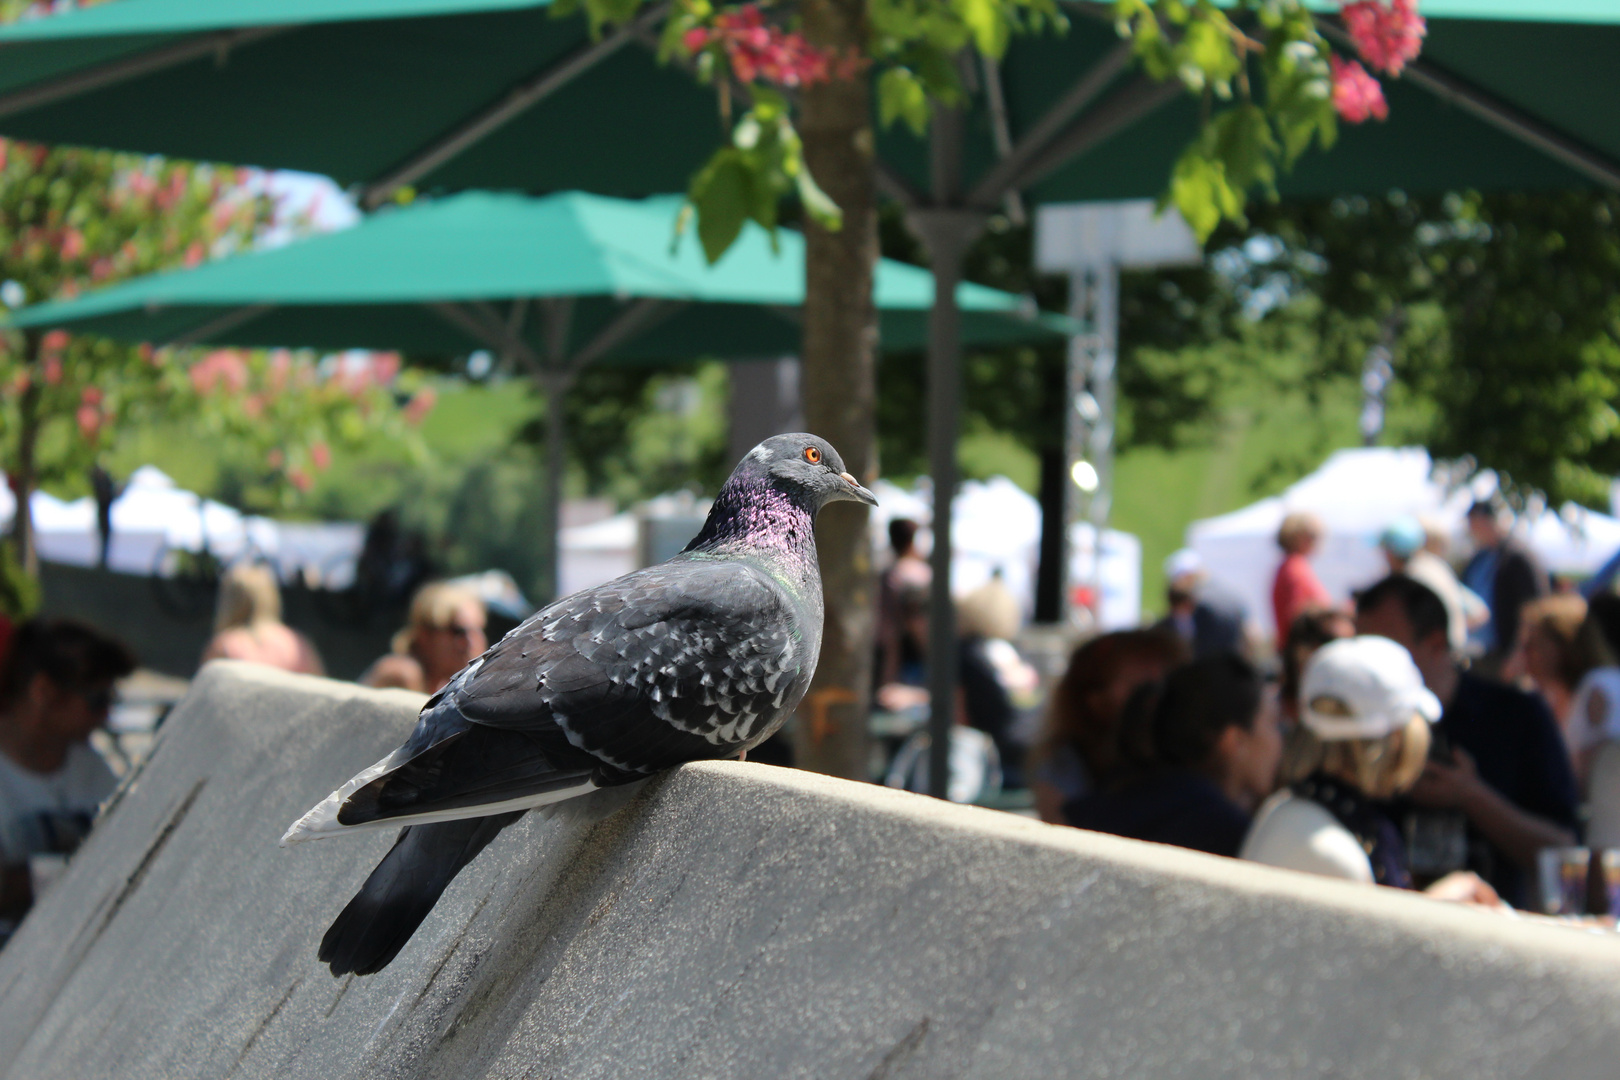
1357,493
996,527
154,516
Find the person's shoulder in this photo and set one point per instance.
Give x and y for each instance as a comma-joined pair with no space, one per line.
86,776
1297,834
1503,698
395,670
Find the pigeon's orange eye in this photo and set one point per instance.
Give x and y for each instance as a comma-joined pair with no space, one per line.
812,455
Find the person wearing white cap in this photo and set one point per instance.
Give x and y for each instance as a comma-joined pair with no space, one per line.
1364,703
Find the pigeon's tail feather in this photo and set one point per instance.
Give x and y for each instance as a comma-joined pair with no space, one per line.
400,892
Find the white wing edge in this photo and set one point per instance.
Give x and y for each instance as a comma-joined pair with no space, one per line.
321,822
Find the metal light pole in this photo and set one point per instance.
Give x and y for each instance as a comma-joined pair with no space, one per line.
1092,242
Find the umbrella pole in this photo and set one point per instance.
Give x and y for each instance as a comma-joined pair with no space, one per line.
948,230
554,383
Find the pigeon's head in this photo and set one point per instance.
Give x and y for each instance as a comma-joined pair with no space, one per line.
807,467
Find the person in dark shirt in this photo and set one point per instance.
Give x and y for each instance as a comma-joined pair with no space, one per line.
1207,743
1504,575
1207,619
1498,759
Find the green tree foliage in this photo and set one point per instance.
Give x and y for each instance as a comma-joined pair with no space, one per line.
1271,86
1509,347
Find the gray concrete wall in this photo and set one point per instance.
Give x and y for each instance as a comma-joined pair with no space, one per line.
741,921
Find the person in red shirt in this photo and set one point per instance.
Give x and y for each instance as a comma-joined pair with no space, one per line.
1297,587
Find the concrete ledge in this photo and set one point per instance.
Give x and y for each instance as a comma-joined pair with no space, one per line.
741,921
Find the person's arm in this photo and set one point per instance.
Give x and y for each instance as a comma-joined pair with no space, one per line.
1465,887
309,658
1517,833
1048,802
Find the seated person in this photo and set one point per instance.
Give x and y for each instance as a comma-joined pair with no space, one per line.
1214,740
992,672
248,626
1498,787
55,689
445,632
1077,750
1366,714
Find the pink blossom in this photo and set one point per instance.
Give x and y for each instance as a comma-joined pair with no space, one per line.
1356,94
101,269
276,458
53,370
300,479
1385,36
72,244
5,152
91,395
55,341
195,253
222,366
757,50
145,351
320,455
89,419
385,366
253,405
280,365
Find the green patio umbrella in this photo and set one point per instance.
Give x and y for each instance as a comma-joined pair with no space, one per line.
556,283
447,94
483,93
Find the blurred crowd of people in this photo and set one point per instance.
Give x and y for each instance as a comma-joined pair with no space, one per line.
1437,730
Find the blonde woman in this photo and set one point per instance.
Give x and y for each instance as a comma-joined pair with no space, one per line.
1365,708
248,626
445,631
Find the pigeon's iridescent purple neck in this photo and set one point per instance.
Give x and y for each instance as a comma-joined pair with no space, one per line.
753,515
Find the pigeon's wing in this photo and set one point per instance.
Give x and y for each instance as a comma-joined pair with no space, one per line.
687,660
691,659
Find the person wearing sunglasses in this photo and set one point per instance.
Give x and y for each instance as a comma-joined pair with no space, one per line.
445,631
56,686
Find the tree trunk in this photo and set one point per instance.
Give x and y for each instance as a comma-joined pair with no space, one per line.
839,372
22,522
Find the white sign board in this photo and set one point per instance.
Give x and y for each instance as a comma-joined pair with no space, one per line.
1128,234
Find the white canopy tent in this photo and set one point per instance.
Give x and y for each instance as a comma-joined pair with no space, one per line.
154,516
1357,493
996,527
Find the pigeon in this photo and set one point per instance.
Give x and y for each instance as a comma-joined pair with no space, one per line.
700,657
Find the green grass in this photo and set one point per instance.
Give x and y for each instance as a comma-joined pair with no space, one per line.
1266,442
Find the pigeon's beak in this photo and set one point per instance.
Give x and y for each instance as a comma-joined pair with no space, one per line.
856,492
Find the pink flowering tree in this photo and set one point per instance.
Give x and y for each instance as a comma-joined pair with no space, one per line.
1271,85
72,220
